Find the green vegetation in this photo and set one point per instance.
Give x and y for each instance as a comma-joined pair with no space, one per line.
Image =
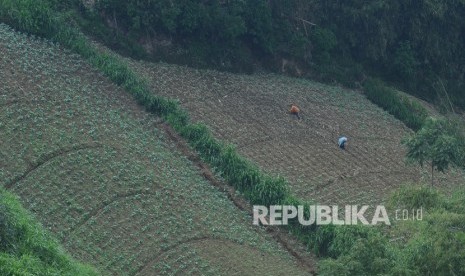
258,187
27,249
228,102
338,41
370,252
434,245
410,112
440,143
226,35
387,37
101,174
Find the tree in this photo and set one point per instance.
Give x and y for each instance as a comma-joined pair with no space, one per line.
439,142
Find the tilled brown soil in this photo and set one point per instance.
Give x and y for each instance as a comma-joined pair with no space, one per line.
251,112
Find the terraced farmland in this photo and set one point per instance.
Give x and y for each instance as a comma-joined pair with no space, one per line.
101,175
250,112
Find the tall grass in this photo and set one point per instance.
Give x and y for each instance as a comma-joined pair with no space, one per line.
27,249
411,113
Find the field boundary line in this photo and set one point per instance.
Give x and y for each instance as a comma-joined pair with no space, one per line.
277,234
174,246
100,208
46,158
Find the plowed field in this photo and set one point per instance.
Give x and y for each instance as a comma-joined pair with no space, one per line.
102,176
251,112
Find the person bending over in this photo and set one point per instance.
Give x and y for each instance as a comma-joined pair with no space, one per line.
342,142
295,110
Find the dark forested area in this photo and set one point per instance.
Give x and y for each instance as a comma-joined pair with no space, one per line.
416,45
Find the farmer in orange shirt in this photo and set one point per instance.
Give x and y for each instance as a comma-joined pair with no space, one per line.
295,111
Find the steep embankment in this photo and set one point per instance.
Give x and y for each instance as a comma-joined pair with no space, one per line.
103,177
26,248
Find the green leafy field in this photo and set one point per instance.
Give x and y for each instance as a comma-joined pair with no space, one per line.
103,178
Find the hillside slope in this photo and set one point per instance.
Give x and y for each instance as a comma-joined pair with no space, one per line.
26,248
101,175
251,112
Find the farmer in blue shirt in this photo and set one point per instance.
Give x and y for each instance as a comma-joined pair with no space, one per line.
342,142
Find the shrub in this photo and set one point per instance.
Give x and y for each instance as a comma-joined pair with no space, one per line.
410,113
367,256
404,62
30,16
439,142
415,197
323,41
27,249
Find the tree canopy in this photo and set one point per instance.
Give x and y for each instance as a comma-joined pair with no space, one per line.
439,142
417,45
